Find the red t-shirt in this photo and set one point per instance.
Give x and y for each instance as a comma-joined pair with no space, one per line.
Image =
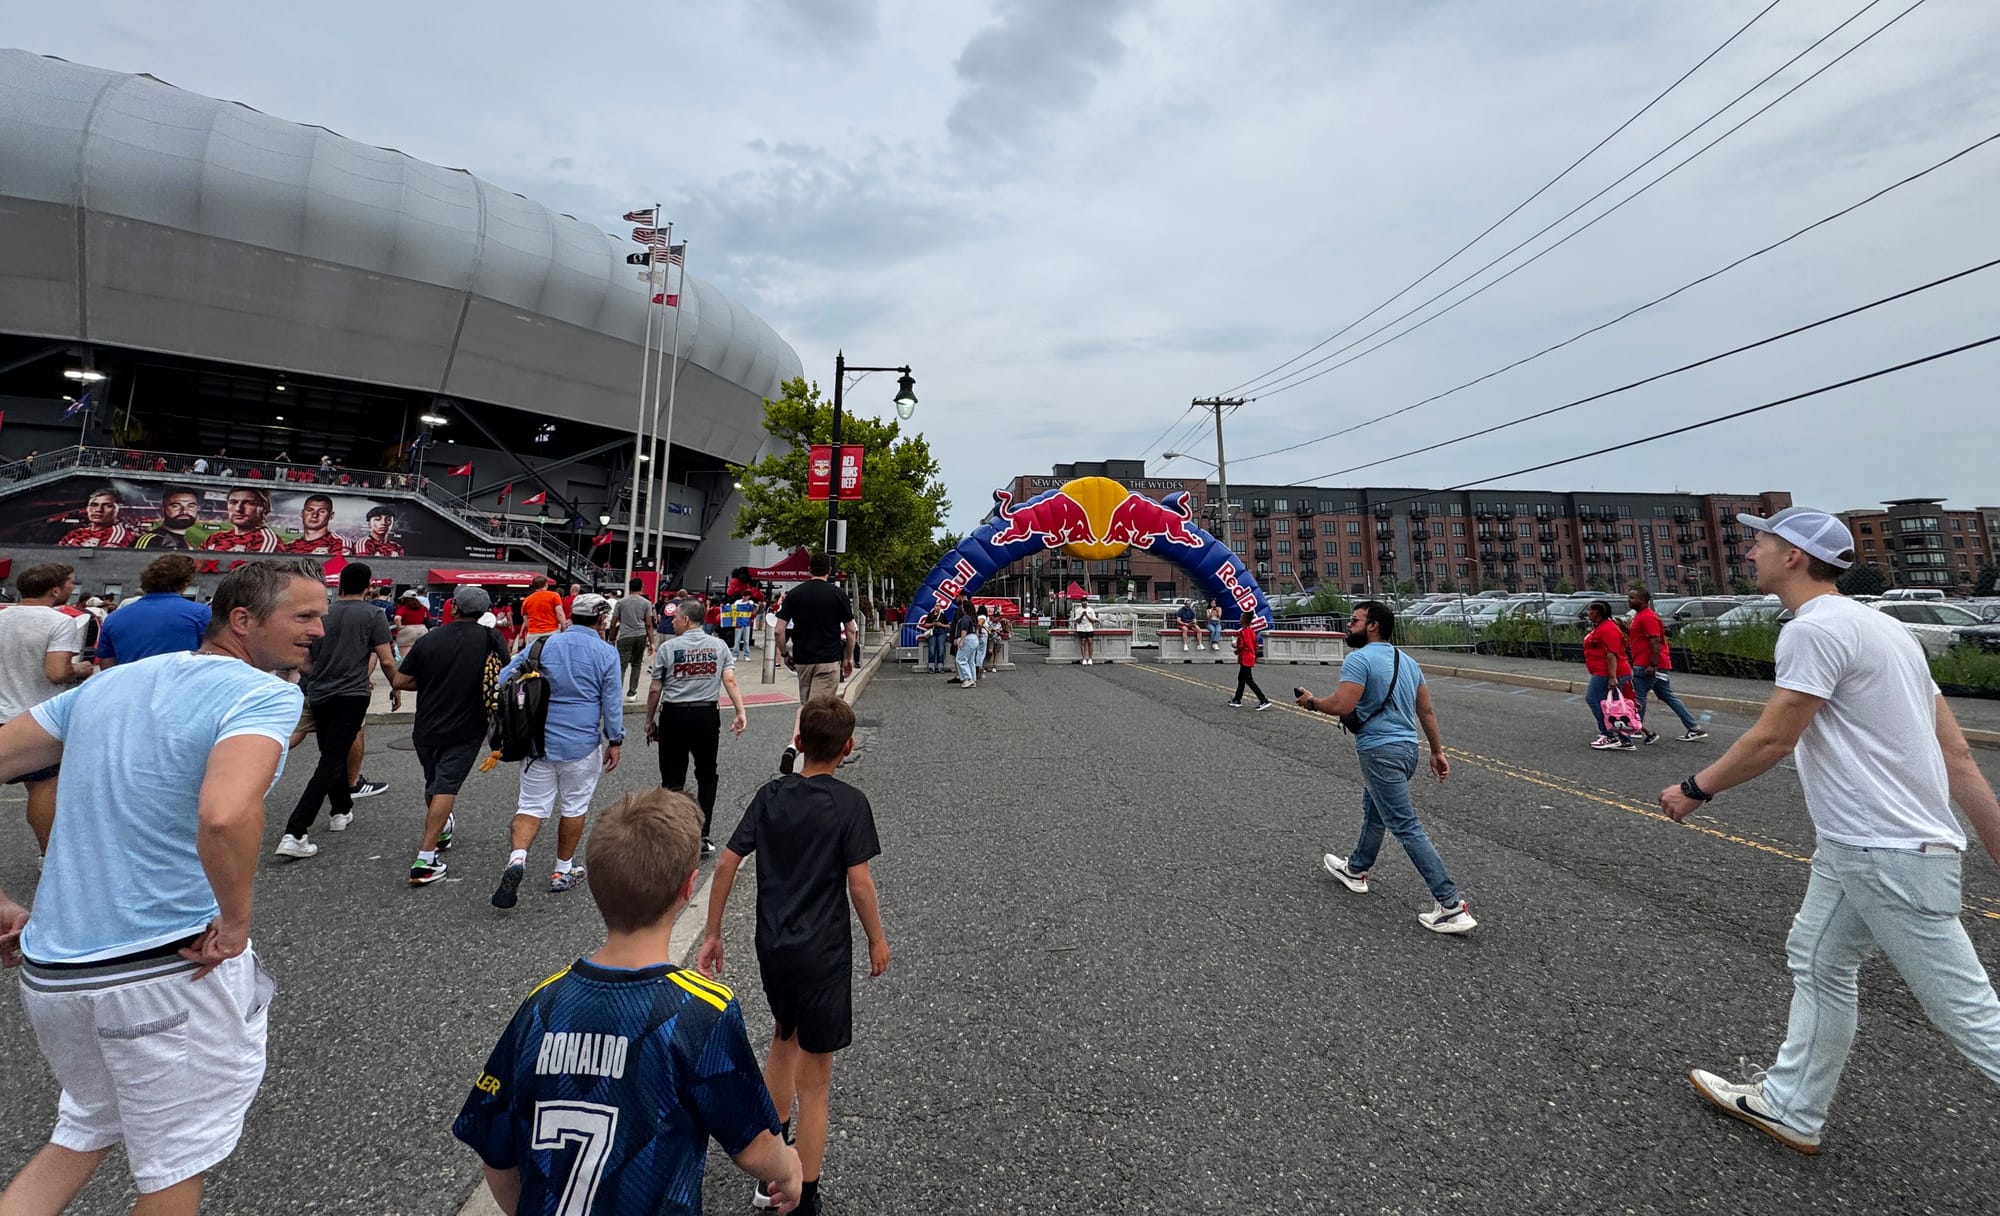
713,618
1246,647
1649,641
567,600
1604,646
410,613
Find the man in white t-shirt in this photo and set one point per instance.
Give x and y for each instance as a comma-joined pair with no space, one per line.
1083,622
1881,758
150,1006
40,639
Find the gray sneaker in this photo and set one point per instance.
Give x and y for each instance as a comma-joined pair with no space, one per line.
1354,881
563,880
1454,919
1747,1103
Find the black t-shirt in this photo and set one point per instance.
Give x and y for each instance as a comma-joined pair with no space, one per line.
815,610
806,832
450,666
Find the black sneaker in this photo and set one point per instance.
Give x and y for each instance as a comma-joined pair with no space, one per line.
1694,736
786,761
365,788
1650,737
707,847
504,895
444,833
423,873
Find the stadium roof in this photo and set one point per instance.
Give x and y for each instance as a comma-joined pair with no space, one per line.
136,214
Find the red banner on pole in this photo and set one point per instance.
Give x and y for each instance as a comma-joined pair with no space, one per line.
819,472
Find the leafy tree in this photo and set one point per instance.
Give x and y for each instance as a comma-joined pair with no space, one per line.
1863,580
1565,587
1989,580
1742,586
891,530
1487,584
1327,602
1707,586
1599,583
1447,586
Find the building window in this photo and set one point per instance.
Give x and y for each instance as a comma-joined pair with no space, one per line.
1236,527
1464,571
1284,525
1631,550
1867,529
1354,527
1458,551
1284,546
1284,567
1660,512
1457,529
1281,504
1625,530
1326,506
1354,569
1437,548
1457,508
1354,548
1524,529
1527,550
1438,568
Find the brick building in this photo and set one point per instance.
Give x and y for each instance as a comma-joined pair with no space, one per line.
1919,542
1365,539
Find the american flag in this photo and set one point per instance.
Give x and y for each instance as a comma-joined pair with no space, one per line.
677,254
645,215
82,402
656,237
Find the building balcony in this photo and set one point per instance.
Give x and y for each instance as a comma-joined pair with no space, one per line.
1420,532
1259,508
1262,553
1302,507
1384,511
1385,531
1509,557
1306,532
1307,553
1386,553
1261,531
1489,555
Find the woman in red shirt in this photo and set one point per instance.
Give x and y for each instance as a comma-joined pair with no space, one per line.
1605,658
1246,664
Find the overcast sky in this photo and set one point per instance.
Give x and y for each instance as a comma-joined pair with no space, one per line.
1072,216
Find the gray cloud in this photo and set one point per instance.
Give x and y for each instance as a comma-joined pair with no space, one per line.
827,24
1040,58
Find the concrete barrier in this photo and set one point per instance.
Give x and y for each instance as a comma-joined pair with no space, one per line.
1176,649
1110,646
1303,646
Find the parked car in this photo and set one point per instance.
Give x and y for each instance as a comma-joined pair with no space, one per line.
1758,613
1700,608
1937,626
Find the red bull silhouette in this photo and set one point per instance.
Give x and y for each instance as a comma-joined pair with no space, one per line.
1055,517
1140,521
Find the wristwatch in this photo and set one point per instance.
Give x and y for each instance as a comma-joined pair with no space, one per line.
1693,790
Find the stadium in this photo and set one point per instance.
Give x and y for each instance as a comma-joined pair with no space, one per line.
232,333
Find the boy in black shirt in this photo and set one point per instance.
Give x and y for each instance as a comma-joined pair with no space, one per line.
813,835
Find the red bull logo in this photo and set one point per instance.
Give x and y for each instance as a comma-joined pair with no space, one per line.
1140,521
1055,517
1232,582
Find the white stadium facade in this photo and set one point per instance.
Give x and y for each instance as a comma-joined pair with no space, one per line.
188,280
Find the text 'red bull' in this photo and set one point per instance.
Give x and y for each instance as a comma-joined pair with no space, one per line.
1246,599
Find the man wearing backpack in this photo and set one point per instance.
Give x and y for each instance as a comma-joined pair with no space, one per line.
586,708
1383,700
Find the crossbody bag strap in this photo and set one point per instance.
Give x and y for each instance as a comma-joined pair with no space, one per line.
1395,676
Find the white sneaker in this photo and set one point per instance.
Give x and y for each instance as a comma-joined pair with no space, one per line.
338,823
1455,919
1747,1102
1337,866
295,846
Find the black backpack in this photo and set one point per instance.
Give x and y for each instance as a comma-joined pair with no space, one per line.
521,711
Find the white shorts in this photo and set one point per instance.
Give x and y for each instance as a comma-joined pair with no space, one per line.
564,786
152,1059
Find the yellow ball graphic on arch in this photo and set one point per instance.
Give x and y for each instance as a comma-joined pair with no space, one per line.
1099,497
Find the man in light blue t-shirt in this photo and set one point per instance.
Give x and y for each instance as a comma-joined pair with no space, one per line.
1389,701
137,973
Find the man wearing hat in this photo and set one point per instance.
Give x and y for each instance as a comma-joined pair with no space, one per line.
1881,758
586,709
449,668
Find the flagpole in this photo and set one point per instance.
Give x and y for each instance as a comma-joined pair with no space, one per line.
639,431
673,382
645,524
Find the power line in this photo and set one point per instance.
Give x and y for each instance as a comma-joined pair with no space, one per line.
1148,449
1696,426
1569,405
1296,379
1823,220
1545,187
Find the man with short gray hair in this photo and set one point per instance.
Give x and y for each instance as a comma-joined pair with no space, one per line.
691,670
151,1008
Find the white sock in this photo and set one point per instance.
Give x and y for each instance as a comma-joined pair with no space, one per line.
563,865
427,856
519,857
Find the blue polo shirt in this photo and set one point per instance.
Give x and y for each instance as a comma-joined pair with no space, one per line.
586,692
162,622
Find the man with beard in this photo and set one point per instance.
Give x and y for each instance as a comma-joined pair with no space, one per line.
318,539
179,508
1389,701
381,522
248,533
101,528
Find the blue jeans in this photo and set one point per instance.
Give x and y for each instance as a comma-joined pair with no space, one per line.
743,641
1594,697
1659,684
937,648
1385,802
1907,903
1215,633
968,658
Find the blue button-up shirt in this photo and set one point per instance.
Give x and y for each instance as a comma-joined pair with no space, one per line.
586,694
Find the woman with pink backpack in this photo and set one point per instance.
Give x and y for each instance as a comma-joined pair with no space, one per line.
1610,692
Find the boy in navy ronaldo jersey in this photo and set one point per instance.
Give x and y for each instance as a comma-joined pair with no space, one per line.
615,1072
813,835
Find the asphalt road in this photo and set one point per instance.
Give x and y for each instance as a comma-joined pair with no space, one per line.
1121,982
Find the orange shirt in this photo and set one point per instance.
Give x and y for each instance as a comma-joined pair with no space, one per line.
538,611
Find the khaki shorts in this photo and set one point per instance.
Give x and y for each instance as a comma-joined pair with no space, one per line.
147,1058
818,680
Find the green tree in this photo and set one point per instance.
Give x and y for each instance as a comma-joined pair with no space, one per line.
1989,580
1742,586
1863,580
1565,587
1599,583
1447,586
891,530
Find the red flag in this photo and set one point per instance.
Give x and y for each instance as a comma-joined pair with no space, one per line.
671,301
464,470
602,538
504,492
535,499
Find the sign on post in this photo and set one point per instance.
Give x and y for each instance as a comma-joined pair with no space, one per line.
819,472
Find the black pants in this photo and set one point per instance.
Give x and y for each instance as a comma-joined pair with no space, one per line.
336,721
1245,680
691,729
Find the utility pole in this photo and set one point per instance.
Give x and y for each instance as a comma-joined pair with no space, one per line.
1218,404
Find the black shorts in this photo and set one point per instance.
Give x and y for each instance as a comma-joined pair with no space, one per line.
40,774
820,1014
446,767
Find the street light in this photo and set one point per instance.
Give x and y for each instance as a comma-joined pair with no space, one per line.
83,374
906,406
1186,456
603,521
906,396
433,419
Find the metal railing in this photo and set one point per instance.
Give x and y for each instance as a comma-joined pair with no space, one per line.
551,545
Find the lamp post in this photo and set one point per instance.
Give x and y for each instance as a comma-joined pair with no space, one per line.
906,407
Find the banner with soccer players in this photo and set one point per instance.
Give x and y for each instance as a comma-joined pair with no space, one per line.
85,512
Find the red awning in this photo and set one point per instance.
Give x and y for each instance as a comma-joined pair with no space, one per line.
1076,592
795,566
485,578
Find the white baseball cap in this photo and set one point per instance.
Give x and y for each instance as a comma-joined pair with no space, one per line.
589,604
1819,533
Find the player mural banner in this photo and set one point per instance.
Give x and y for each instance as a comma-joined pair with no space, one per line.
1095,518
86,512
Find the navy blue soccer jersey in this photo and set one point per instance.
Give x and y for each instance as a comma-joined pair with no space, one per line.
608,1083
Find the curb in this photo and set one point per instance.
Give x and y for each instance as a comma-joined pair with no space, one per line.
852,692
1725,705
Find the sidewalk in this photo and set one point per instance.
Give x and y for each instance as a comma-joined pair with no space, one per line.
1979,717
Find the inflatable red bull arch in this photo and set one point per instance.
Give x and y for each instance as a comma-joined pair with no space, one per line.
1095,518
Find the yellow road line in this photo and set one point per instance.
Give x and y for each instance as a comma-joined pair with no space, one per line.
1507,768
